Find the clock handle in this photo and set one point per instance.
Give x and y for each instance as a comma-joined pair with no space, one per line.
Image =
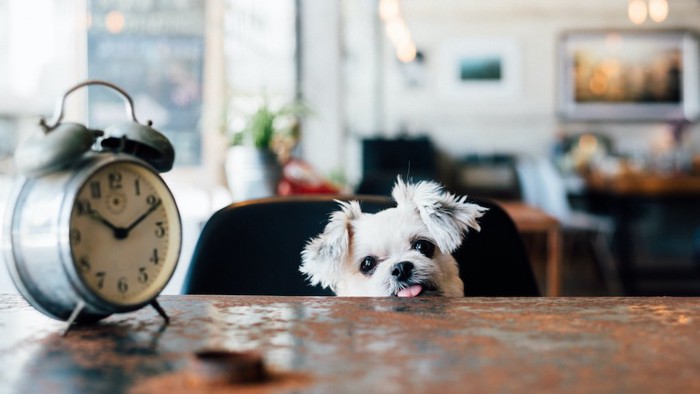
58,112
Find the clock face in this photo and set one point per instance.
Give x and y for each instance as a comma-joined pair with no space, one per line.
125,233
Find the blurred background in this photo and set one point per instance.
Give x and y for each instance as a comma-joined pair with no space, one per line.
584,109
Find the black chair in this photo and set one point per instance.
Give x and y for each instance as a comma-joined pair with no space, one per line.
254,248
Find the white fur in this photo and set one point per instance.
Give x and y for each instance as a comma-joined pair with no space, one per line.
424,211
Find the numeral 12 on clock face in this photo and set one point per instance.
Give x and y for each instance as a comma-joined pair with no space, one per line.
124,233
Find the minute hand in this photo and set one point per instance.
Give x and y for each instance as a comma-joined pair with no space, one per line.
142,217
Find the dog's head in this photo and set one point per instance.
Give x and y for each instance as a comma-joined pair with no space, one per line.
401,251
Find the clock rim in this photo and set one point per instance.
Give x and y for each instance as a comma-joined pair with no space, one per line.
12,258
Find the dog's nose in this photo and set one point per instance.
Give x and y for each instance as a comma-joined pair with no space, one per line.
403,270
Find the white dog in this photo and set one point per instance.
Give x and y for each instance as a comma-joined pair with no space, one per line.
403,251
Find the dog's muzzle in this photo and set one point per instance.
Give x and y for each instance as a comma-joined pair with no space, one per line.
403,272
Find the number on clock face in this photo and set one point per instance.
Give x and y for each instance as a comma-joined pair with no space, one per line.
124,233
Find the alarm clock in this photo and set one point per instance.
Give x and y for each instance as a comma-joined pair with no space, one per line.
92,229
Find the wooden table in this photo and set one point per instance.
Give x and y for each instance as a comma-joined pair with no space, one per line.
530,219
336,345
645,184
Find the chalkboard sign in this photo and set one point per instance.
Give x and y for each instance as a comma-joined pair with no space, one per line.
155,51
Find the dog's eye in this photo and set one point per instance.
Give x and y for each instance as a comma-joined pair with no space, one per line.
426,248
367,265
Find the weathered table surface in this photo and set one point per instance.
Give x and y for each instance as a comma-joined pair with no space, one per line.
336,345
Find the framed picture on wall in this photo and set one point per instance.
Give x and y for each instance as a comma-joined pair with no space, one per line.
479,68
629,76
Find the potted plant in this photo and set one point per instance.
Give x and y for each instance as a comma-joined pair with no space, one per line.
257,149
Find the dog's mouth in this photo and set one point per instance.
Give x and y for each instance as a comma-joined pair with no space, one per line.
418,289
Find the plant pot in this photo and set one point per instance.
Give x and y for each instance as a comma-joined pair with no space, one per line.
252,172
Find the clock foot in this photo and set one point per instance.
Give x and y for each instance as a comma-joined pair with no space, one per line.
160,311
74,316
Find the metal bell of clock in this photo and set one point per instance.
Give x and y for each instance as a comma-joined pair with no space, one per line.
141,141
46,151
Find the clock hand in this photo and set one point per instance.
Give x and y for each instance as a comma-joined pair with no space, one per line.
119,232
98,216
142,217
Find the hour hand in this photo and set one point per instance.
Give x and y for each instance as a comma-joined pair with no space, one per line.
119,232
98,217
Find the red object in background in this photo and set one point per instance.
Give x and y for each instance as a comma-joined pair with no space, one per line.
299,178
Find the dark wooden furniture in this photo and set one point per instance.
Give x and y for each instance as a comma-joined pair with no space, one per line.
657,237
532,220
645,184
330,344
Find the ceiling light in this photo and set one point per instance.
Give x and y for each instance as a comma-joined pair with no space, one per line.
658,10
637,11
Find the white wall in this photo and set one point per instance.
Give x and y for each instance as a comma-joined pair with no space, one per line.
521,120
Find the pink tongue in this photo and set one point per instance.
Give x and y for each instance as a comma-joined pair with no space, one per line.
410,291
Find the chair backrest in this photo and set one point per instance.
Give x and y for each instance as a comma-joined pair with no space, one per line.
254,248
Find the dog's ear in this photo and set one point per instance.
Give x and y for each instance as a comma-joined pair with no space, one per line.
322,257
447,216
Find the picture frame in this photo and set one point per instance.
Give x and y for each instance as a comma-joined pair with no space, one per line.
479,68
629,76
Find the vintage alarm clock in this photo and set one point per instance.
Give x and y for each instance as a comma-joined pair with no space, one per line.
92,229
